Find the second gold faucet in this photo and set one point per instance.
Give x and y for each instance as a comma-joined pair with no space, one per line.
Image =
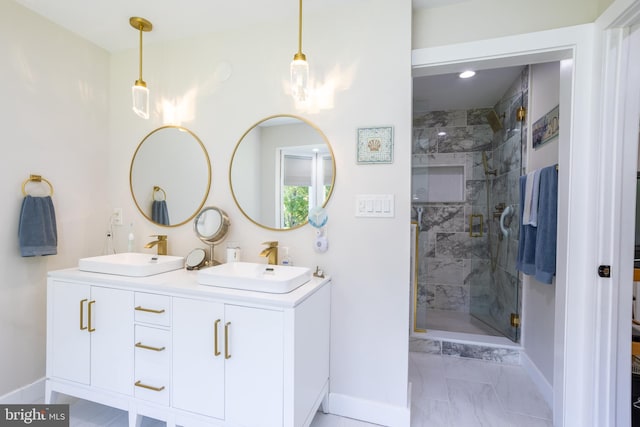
271,252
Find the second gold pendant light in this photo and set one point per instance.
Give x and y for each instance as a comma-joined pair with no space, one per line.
299,68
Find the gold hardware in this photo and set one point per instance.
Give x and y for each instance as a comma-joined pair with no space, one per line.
157,189
515,320
90,328
161,243
149,387
270,252
521,114
216,351
472,223
82,327
149,310
148,347
227,355
36,178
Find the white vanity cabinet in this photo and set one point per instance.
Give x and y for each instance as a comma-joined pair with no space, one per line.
191,355
226,355
90,329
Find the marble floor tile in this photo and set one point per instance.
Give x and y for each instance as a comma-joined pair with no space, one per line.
517,393
456,321
475,404
426,374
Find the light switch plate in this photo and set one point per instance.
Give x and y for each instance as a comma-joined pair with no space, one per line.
375,205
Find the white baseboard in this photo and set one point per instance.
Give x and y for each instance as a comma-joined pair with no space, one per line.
538,379
32,393
369,411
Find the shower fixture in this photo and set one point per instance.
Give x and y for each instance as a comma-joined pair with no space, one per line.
495,121
485,164
521,114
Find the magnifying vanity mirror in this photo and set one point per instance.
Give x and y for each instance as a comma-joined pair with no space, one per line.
170,176
282,167
211,226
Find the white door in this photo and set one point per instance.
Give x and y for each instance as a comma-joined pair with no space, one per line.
112,346
70,341
254,366
198,356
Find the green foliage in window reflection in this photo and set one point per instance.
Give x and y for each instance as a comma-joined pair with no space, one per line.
296,205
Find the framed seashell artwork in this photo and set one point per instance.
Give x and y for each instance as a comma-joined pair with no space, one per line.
375,145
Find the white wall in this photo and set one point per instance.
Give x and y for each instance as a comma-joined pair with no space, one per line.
367,258
539,299
484,19
54,90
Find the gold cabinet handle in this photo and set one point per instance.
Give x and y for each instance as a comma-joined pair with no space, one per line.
149,387
216,350
148,347
149,310
82,327
227,354
90,328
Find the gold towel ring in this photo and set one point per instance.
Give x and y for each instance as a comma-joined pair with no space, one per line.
36,178
157,189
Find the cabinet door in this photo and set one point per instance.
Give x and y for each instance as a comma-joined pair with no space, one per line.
198,356
69,341
253,369
112,349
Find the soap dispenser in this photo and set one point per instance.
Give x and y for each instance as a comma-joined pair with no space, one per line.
286,260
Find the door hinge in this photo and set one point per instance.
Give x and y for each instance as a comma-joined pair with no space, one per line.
604,271
515,320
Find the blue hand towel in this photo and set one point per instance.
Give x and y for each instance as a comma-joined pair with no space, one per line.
159,212
37,230
547,225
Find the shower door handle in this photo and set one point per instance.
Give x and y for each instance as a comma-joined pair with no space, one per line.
507,211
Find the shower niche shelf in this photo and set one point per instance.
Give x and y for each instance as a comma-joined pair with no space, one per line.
438,183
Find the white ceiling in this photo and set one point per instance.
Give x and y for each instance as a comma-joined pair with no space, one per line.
106,24
449,92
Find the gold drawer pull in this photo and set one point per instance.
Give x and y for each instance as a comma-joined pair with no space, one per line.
227,353
82,327
149,310
90,328
148,347
216,350
150,387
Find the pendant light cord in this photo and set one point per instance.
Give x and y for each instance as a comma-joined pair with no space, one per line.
300,29
140,28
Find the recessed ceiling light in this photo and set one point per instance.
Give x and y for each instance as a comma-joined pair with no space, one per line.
442,133
467,74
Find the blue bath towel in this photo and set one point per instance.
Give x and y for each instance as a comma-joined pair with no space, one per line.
547,225
37,230
159,212
537,245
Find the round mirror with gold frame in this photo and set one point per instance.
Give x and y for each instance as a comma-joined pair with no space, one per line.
170,176
282,167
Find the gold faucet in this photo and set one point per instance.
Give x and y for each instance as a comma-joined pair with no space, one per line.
271,252
161,243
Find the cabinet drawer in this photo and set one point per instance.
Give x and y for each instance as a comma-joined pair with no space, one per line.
152,308
152,364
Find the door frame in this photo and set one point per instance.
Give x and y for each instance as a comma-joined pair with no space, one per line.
620,114
574,341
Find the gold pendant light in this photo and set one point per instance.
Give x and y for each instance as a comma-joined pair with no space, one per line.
139,90
299,68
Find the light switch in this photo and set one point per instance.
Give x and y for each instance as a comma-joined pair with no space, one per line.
375,205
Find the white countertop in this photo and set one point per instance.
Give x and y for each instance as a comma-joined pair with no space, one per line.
184,283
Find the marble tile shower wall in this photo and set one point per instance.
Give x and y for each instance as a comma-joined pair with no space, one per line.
453,267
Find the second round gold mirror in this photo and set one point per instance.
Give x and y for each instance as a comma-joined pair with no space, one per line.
282,167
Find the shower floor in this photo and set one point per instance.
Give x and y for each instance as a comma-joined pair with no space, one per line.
454,321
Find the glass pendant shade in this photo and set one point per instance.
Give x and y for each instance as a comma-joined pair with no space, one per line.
140,95
299,77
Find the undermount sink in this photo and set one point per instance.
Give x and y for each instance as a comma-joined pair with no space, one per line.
131,264
276,279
